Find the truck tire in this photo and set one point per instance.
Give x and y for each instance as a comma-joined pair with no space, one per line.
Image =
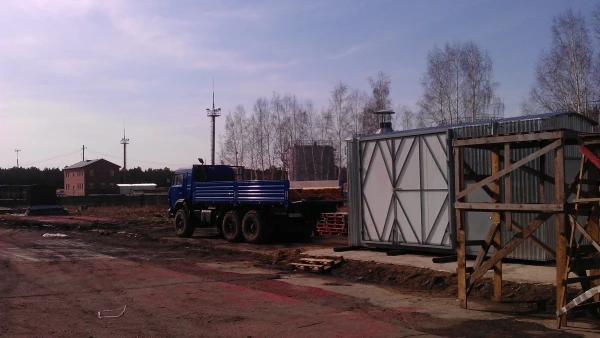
232,227
254,227
183,227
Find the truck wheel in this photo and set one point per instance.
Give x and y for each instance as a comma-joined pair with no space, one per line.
183,226
231,228
254,227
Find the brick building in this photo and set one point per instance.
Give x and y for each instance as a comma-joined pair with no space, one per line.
91,177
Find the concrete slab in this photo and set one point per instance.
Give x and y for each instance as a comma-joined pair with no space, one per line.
510,272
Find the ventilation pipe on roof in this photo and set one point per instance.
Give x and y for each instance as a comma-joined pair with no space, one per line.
384,117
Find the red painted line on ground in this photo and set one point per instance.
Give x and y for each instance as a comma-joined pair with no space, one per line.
267,295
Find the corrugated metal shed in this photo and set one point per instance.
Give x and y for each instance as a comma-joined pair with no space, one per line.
370,157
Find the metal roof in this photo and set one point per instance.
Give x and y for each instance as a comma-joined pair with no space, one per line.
85,163
480,123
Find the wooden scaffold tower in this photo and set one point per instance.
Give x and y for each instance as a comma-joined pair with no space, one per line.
502,208
583,258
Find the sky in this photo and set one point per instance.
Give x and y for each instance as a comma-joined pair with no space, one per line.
76,73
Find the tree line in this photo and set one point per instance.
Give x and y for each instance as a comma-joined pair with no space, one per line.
55,176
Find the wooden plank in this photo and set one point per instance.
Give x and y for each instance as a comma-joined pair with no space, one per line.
509,247
445,259
318,260
586,263
507,189
528,137
522,207
574,280
584,232
535,240
475,242
459,182
593,223
461,270
586,200
472,174
497,219
510,168
487,243
561,240
590,156
541,184
461,252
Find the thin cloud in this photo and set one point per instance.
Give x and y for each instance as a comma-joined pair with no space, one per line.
349,51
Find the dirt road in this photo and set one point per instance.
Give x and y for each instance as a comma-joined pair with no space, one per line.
55,287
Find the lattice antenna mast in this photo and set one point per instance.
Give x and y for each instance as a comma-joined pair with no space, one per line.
213,114
124,142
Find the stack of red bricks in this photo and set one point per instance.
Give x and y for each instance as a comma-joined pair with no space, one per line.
333,223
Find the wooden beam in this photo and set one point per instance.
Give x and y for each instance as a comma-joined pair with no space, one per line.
509,247
536,240
593,223
517,207
510,168
529,170
461,237
507,189
561,240
527,137
461,268
585,234
590,156
477,177
586,200
541,183
487,245
496,219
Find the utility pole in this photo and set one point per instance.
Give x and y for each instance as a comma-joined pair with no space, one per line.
83,153
213,113
124,142
17,151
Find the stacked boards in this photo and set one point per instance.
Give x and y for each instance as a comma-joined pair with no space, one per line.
321,193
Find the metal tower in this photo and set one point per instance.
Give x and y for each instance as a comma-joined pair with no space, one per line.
124,142
213,113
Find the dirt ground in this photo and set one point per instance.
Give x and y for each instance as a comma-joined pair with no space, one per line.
204,286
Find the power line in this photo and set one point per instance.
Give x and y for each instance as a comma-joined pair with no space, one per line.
133,159
51,158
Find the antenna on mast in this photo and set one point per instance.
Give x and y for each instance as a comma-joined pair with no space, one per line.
124,142
213,113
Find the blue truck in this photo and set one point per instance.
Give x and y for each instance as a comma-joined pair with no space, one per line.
205,196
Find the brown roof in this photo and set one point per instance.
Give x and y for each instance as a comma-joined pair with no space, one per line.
85,163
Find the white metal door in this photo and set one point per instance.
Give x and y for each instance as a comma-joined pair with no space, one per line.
404,185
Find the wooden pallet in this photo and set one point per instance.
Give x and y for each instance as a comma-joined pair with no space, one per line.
316,264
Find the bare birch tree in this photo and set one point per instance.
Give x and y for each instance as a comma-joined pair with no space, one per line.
406,117
458,86
564,75
379,100
340,117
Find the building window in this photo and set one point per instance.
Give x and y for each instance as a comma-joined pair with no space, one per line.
112,173
102,185
66,174
91,185
67,187
91,172
112,185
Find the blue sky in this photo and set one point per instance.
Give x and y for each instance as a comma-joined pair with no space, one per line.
75,72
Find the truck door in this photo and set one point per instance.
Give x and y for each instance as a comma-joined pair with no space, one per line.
176,190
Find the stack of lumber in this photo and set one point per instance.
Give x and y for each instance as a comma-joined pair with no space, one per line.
333,223
299,194
317,264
